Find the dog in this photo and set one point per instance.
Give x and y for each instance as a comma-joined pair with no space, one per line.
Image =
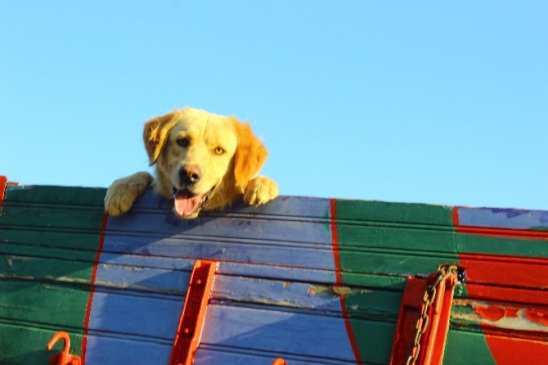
203,161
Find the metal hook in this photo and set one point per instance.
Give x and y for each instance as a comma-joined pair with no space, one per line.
64,358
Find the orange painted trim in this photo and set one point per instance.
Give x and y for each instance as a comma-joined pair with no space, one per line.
191,323
338,278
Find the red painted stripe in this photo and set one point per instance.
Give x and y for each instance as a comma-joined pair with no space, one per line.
510,351
456,217
92,286
498,277
338,277
498,232
335,241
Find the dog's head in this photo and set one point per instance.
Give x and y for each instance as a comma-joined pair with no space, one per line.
203,160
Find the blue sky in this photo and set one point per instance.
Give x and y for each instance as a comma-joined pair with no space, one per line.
402,101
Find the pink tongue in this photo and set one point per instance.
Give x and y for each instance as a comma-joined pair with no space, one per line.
186,202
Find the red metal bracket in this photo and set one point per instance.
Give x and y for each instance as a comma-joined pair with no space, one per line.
433,340
64,358
192,318
3,186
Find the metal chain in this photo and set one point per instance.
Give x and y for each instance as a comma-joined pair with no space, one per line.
444,271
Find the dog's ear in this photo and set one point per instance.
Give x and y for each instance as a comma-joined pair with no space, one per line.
155,134
250,154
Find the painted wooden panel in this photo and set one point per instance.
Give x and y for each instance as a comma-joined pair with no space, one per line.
316,281
278,331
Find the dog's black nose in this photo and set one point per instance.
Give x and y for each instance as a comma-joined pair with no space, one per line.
190,174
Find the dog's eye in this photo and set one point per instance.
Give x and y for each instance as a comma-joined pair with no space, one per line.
183,142
218,151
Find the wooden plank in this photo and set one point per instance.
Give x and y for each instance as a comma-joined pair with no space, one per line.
282,332
518,219
360,212
50,218
142,278
222,249
151,317
41,195
60,307
320,299
283,221
44,269
108,349
506,271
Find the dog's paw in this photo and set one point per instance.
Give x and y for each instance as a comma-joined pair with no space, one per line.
260,190
123,192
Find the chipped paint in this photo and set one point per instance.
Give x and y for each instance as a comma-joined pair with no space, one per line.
341,290
501,316
125,267
320,290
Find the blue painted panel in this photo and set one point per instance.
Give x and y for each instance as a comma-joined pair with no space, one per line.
503,218
227,268
287,219
280,332
278,272
275,292
288,206
150,317
142,278
256,252
106,350
168,263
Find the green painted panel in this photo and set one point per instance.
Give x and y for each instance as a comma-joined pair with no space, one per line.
58,306
375,281
501,246
374,340
465,348
49,237
404,264
44,217
23,345
44,269
55,195
381,304
375,211
85,241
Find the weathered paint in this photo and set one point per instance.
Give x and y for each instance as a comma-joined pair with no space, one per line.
295,265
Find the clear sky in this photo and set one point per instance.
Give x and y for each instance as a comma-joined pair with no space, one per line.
401,101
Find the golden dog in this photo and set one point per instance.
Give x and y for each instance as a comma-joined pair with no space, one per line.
203,162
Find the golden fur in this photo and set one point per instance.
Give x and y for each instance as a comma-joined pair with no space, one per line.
203,161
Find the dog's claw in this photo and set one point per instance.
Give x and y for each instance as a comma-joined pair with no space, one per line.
260,190
123,192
